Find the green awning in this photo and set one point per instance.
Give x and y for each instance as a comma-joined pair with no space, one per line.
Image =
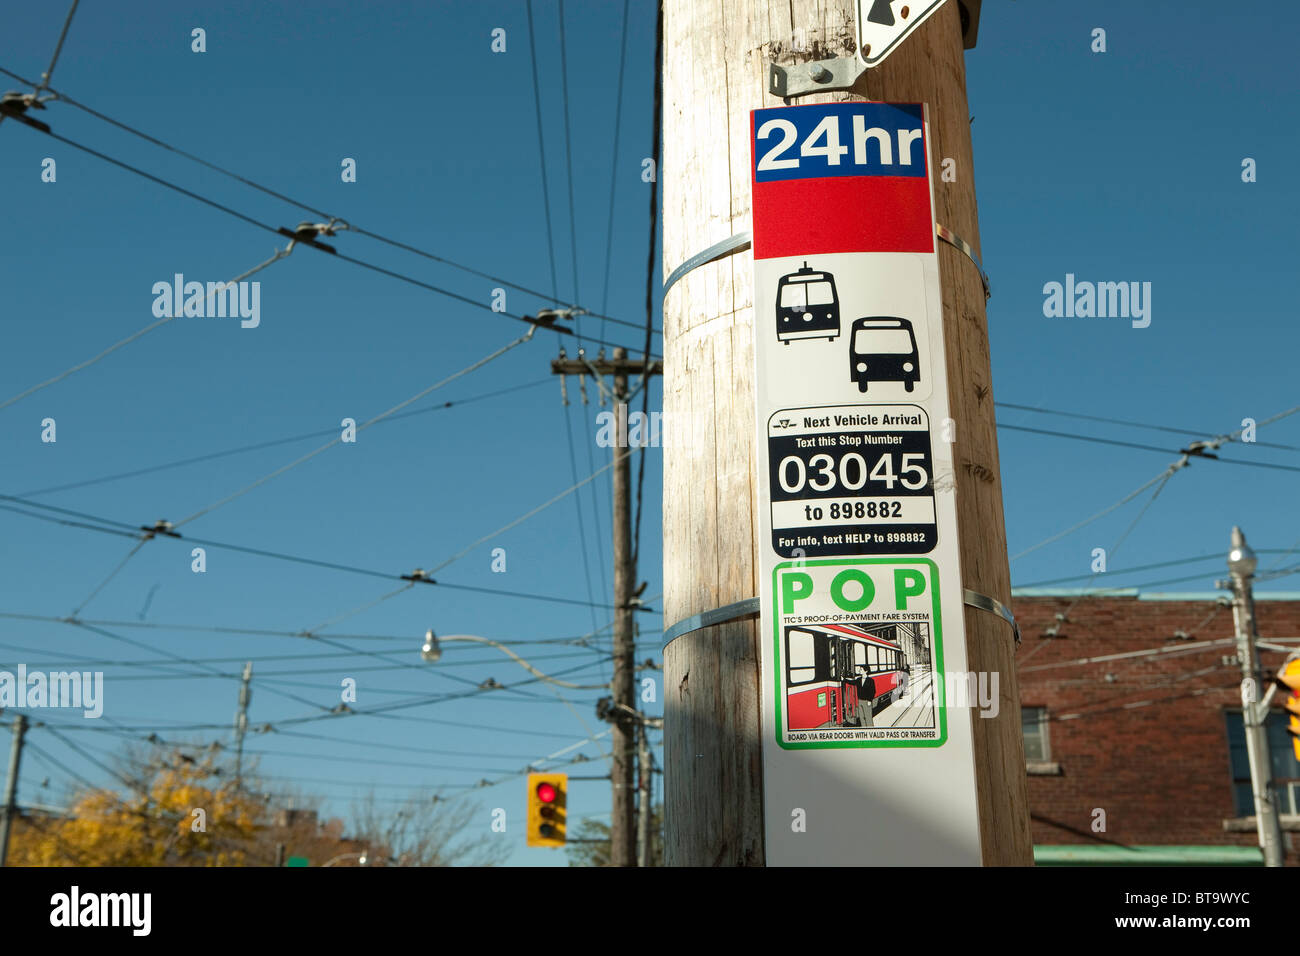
1091,854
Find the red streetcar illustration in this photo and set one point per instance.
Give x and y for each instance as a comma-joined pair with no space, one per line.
838,675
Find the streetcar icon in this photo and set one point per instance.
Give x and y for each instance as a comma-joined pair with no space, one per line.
883,349
807,306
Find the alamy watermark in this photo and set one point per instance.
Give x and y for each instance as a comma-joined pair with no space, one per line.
622,429
215,300
130,910
84,689
978,690
1102,300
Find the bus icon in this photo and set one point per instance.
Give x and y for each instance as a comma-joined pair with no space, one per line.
883,349
807,306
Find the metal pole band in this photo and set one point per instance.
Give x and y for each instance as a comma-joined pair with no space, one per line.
950,237
750,606
733,244
719,615
985,603
742,241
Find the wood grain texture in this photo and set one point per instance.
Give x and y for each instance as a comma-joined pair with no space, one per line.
714,74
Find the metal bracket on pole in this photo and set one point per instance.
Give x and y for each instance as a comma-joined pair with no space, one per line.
815,76
950,237
750,606
985,603
743,240
719,615
732,244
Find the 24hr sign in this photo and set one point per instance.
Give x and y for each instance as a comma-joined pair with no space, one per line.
851,480
860,584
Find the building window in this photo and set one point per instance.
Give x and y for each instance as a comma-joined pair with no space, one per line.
1033,727
1286,769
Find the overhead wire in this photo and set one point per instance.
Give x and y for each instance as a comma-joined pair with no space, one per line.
424,576
352,569
373,267
1136,567
338,439
1126,422
271,443
1195,450
176,657
524,517
1127,444
342,222
1164,475
1065,615
613,162
210,629
58,48
130,338
568,164
70,524
577,501
551,258
112,574
195,196
656,126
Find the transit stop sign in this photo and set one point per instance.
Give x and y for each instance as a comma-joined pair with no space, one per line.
867,716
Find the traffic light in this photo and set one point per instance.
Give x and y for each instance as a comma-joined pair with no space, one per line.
546,813
1288,678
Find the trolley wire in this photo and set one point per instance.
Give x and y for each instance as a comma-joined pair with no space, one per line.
541,144
58,48
1136,567
1196,450
551,258
1128,444
62,97
1065,615
582,530
656,126
402,277
271,443
613,162
352,569
360,428
422,576
1126,422
568,165
1100,514
112,574
140,333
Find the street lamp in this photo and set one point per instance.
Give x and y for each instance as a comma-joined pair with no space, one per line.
1241,559
431,651
361,858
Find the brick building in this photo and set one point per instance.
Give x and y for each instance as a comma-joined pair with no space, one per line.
1153,741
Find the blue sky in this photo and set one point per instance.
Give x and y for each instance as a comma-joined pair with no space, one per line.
1122,166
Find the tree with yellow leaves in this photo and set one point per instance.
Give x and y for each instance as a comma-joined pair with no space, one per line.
180,811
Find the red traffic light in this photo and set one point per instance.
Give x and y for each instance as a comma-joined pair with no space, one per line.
546,793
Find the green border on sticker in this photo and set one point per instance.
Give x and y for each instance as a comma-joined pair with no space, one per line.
778,668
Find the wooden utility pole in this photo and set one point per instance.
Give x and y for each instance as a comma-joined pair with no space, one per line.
241,721
623,715
622,834
10,806
714,74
